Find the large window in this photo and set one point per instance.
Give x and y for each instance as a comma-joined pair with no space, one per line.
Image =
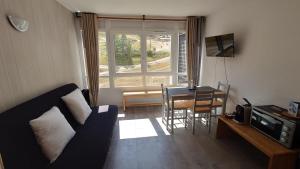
141,56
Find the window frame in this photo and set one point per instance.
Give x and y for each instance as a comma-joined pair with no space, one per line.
108,58
185,72
110,47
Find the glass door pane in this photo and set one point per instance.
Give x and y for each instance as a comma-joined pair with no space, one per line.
127,53
159,53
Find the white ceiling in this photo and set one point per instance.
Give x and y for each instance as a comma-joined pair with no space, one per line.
147,7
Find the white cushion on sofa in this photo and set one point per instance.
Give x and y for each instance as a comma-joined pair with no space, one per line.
53,132
78,105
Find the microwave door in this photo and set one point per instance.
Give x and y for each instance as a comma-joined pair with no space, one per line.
269,121
268,125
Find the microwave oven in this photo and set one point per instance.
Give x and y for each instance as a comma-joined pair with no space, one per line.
269,121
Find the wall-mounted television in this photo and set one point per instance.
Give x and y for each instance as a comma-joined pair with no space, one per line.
220,46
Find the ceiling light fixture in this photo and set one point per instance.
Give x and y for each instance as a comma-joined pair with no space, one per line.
18,23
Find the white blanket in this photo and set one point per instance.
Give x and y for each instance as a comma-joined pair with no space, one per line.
103,108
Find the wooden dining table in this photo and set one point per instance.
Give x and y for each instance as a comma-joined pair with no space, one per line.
184,93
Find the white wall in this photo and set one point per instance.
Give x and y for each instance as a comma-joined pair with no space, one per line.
266,65
41,59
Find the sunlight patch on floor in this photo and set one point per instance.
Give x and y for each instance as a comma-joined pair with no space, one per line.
136,128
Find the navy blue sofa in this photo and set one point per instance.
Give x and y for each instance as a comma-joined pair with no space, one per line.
87,149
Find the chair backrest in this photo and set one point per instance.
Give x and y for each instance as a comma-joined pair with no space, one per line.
225,88
203,98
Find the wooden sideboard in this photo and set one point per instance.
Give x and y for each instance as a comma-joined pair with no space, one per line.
279,156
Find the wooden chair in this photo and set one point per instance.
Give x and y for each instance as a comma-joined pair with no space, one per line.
221,102
203,105
167,108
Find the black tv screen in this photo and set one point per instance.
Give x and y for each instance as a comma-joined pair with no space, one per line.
220,46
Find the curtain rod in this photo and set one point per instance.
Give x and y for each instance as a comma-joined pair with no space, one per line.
140,18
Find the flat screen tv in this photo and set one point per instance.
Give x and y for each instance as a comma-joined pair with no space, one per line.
220,46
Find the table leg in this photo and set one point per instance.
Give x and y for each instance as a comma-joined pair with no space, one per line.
280,161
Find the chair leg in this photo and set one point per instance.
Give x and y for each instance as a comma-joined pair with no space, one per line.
167,120
162,115
209,125
172,119
185,119
194,122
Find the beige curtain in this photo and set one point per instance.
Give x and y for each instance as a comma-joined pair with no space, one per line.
90,42
195,27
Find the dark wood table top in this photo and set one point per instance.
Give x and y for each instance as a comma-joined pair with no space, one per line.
185,91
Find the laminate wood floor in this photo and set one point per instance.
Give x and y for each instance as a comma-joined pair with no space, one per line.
140,142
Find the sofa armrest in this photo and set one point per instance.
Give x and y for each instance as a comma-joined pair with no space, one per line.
86,95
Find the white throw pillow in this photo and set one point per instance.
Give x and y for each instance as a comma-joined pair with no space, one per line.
53,132
78,105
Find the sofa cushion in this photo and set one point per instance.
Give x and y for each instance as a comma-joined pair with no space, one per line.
53,132
77,105
88,148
